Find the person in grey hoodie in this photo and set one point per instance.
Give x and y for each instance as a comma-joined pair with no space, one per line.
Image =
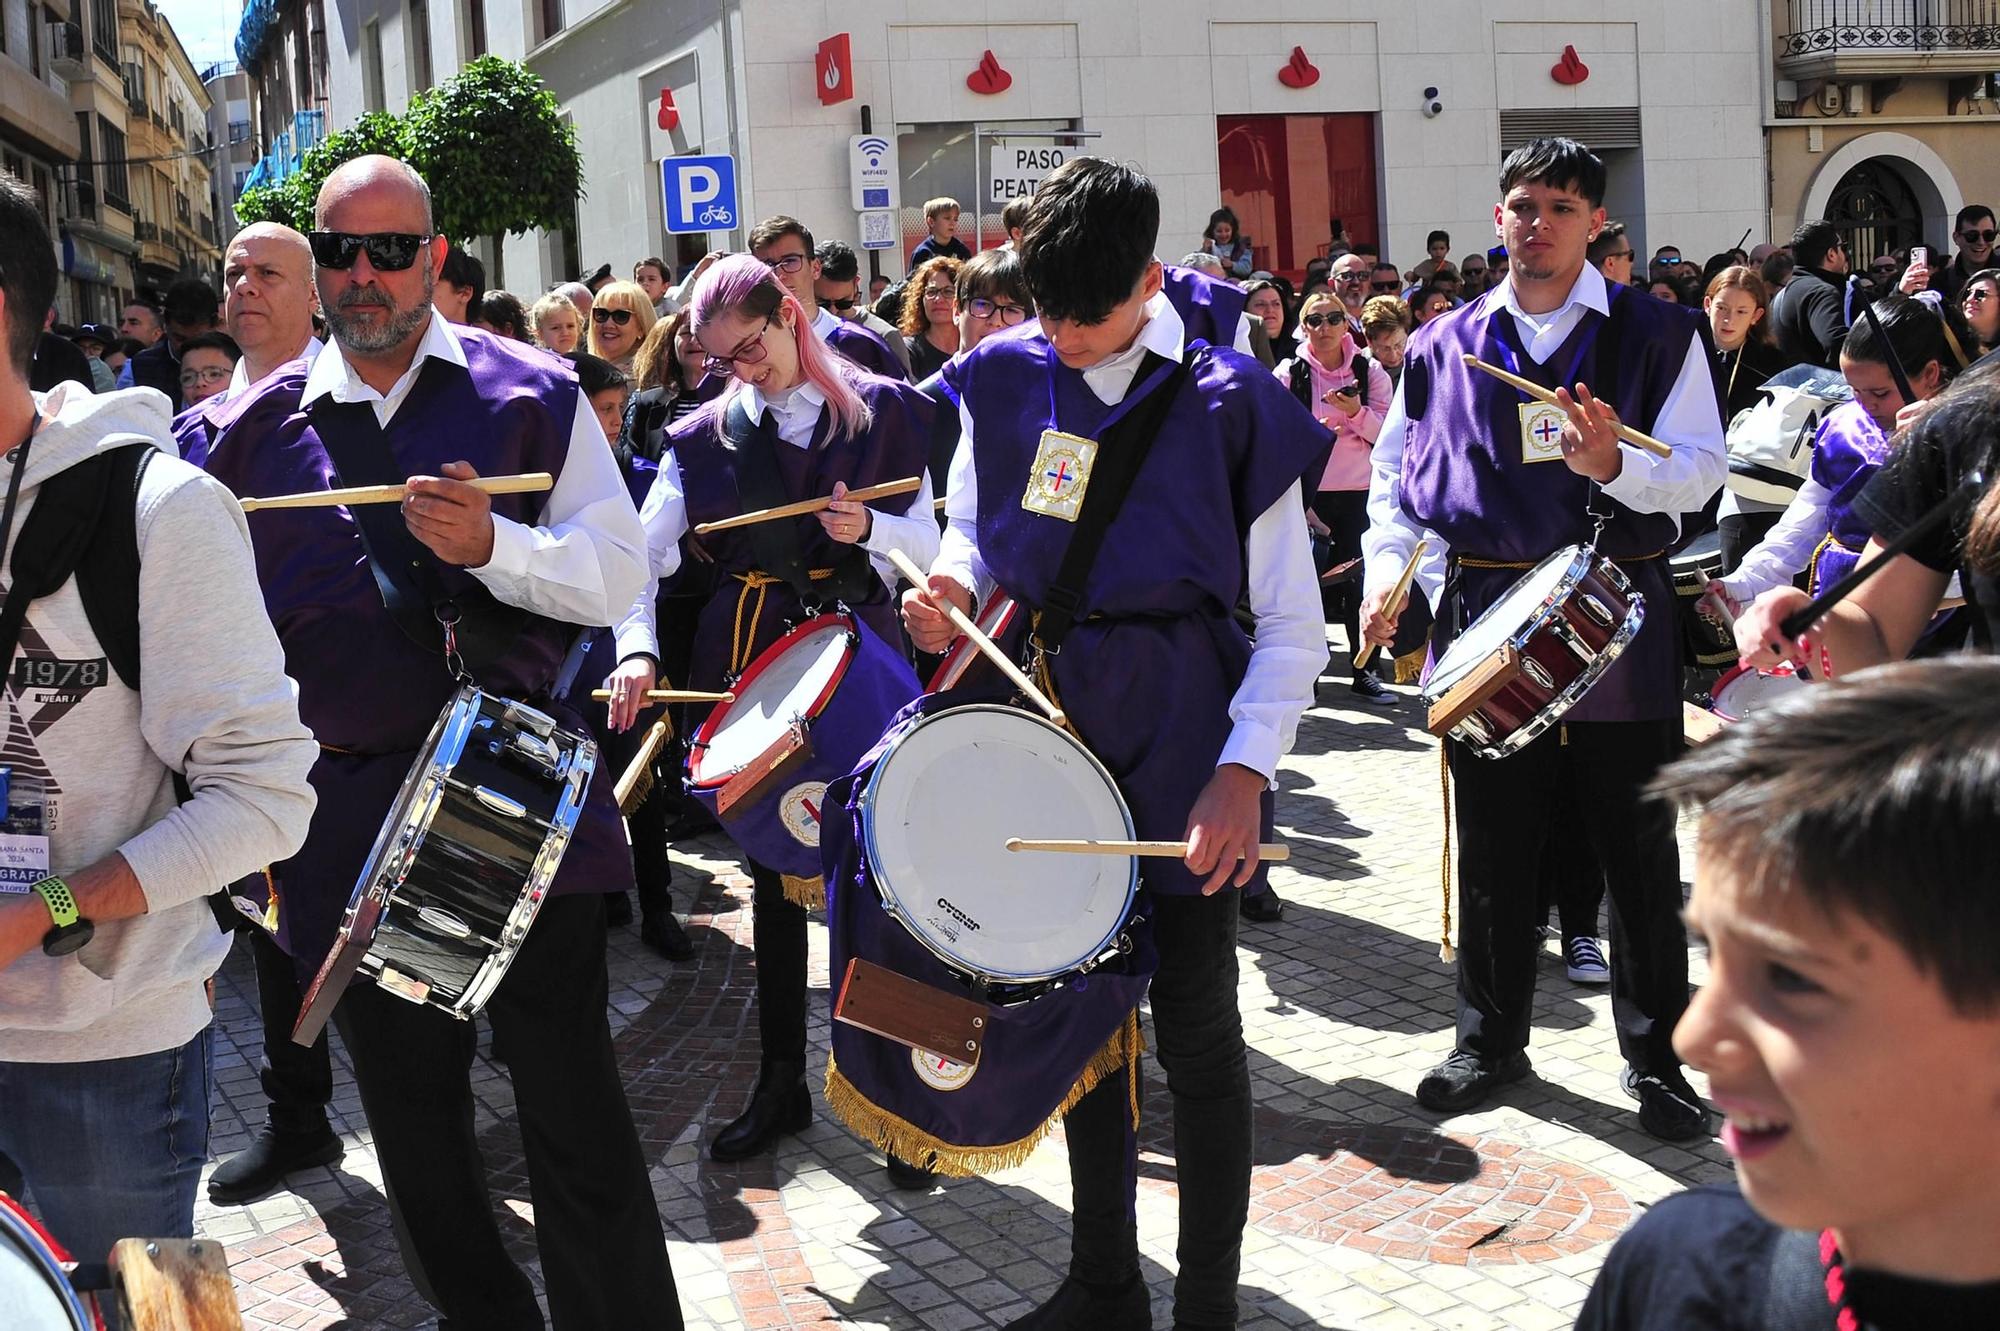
105,1029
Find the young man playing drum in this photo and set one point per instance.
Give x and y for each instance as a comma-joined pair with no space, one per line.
1155,677
1505,482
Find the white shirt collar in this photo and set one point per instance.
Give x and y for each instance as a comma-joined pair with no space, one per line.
805,400
1163,333
241,379
1588,291
331,373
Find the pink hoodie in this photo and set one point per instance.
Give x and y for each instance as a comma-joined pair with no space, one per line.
1353,436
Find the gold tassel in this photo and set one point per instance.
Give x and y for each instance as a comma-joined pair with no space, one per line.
1410,665
1446,953
807,892
271,903
1045,678
906,1141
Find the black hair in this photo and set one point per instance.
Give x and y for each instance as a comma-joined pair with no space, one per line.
462,269
1912,328
1813,241
1014,213
1606,241
1972,212
1777,269
221,342
1436,236
1088,238
1367,248
595,374
774,229
1558,163
191,301
502,310
27,268
1717,263
128,347
837,262
1219,216
992,274
1876,795
1382,265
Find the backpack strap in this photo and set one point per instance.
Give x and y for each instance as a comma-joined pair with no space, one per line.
1358,367
1302,381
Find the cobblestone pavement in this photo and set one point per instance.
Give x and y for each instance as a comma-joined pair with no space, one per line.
1365,1213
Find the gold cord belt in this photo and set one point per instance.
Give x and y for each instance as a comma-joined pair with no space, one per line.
743,637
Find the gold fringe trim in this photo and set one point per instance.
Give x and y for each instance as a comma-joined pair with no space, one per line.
1446,954
904,1140
807,892
1410,665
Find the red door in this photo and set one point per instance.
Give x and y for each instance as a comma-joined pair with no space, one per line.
1287,177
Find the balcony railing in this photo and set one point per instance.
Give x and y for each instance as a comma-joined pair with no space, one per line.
239,130
1831,28
145,230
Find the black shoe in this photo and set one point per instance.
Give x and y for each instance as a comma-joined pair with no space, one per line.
1076,1306
617,910
1464,1080
663,933
780,1106
1668,1107
1267,907
262,1166
1370,689
908,1177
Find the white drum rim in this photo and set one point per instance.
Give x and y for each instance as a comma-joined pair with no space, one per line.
1579,562
940,950
996,620
1728,681
21,1231
704,735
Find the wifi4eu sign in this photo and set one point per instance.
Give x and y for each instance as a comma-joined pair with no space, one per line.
871,167
698,193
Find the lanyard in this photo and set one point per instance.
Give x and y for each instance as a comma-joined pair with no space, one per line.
1516,355
1133,395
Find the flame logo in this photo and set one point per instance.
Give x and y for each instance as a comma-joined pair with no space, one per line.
989,78
832,79
1298,72
1570,69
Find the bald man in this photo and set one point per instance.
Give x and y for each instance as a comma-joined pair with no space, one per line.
398,394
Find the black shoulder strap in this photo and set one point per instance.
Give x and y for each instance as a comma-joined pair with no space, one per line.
1302,380
759,484
1795,1291
1358,367
107,576
58,537
1610,346
1121,452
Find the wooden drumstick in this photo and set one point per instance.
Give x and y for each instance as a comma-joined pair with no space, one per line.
908,485
1394,604
533,482
1717,602
638,777
986,645
1637,438
1153,849
670,695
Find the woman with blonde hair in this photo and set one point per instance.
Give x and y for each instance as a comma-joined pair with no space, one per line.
555,324
929,321
620,318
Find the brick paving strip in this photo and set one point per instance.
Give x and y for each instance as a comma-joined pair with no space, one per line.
1364,1212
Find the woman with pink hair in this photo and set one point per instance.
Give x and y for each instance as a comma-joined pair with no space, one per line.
797,421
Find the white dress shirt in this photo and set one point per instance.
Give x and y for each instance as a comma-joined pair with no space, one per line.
1290,646
588,562
1688,421
663,515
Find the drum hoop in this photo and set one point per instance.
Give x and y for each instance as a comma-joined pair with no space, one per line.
1572,576
999,618
40,1245
1557,707
1728,677
765,659
866,803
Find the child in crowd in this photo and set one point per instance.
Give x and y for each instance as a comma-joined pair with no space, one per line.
941,216
1850,1026
609,389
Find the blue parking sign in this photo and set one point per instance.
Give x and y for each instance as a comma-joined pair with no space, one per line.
699,193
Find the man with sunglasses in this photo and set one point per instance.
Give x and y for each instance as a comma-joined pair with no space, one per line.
838,288
361,598
784,245
1350,280
1975,233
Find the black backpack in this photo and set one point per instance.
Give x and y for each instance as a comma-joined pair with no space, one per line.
1302,378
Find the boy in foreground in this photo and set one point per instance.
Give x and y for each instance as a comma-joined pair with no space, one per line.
1850,1028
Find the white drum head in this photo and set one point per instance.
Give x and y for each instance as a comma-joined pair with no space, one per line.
1506,617
778,689
938,811
1704,552
1739,696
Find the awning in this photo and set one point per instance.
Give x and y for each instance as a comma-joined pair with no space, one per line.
90,262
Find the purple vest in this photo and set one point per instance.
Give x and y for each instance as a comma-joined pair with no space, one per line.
1849,449
895,445
369,693
1464,478
1210,310
865,349
1148,671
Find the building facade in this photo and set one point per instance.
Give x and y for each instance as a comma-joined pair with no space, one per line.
232,136
40,48
1884,116
100,246
167,175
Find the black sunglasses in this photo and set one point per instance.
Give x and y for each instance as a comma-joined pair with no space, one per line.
842,305
1980,237
390,251
603,316
1385,288
1321,320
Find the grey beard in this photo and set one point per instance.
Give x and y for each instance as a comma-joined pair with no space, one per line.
370,339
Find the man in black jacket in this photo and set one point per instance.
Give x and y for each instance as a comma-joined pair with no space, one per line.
56,359
191,310
1809,316
1974,231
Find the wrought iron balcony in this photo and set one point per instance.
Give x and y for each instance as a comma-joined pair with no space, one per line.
1886,38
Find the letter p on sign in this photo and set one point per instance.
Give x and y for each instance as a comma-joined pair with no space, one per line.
698,193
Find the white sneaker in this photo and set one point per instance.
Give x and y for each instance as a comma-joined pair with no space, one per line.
1584,960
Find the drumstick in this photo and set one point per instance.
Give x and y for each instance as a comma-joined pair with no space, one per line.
908,485
533,482
1717,602
1639,438
963,623
641,767
670,695
1154,849
1395,602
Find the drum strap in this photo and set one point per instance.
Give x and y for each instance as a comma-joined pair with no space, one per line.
753,450
406,573
1121,452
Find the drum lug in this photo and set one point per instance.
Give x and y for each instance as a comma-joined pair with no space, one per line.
403,986
499,803
1536,671
523,715
1476,730
538,748
444,922
1596,609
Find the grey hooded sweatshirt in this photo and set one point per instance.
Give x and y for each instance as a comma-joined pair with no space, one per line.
214,704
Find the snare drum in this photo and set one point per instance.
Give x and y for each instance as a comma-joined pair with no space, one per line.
1709,644
35,1290
1536,651
805,711
1745,689
463,863
963,659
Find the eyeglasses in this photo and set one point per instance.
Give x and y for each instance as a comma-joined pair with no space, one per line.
750,353
1318,321
604,316
199,378
938,293
981,308
389,251
1385,288
1884,268
1980,237
787,263
842,305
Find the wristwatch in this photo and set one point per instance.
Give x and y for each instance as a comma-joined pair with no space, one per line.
71,930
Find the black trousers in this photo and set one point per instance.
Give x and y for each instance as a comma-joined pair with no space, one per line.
297,1080
1346,512
1571,878
778,941
651,867
1504,822
1198,1038
604,1260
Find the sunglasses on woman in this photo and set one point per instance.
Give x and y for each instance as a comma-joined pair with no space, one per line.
604,316
389,251
1319,321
